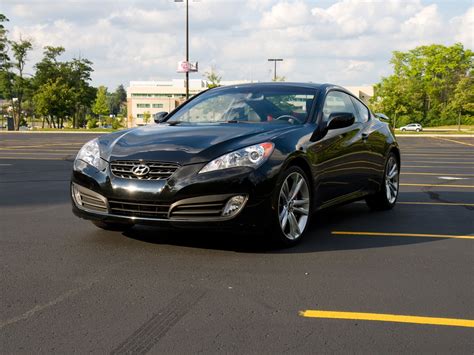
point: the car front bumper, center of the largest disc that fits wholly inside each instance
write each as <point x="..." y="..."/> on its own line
<point x="186" y="199"/>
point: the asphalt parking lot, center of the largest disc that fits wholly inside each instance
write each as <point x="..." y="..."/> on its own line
<point x="67" y="286"/>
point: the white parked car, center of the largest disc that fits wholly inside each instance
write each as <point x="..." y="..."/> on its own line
<point x="412" y="127"/>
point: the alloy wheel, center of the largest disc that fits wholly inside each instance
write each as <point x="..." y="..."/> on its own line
<point x="293" y="205"/>
<point x="391" y="180"/>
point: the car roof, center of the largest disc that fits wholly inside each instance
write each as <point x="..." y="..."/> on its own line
<point x="322" y="87"/>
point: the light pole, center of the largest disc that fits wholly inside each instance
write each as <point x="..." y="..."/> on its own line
<point x="275" y="60"/>
<point x="187" y="44"/>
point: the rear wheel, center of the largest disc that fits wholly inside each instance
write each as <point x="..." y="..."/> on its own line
<point x="387" y="196"/>
<point x="119" y="227"/>
<point x="418" y="130"/>
<point x="293" y="207"/>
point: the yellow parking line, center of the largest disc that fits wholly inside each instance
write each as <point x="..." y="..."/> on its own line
<point x="435" y="154"/>
<point x="437" y="174"/>
<point x="454" y="141"/>
<point x="55" y="152"/>
<point x="39" y="145"/>
<point x="404" y="165"/>
<point x="29" y="158"/>
<point x="439" y="162"/>
<point x="437" y="157"/>
<point x="414" y="235"/>
<point x="435" y="203"/>
<point x="441" y="185"/>
<point x="395" y="318"/>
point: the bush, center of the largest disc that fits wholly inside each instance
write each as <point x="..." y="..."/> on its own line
<point x="92" y="123"/>
<point x="116" y="124"/>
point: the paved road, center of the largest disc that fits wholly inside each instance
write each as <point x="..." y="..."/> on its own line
<point x="67" y="286"/>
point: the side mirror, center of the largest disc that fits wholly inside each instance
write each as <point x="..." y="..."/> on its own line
<point x="340" y="120"/>
<point x="382" y="116"/>
<point x="160" y="117"/>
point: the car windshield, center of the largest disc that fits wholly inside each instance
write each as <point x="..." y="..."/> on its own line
<point x="290" y="105"/>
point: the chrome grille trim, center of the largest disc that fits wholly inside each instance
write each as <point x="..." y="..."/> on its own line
<point x="87" y="199"/>
<point x="199" y="208"/>
<point x="138" y="209"/>
<point x="158" y="170"/>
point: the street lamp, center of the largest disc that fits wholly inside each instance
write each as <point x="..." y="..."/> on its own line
<point x="275" y="60"/>
<point x="187" y="45"/>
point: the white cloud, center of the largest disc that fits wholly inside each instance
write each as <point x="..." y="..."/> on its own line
<point x="286" y="14"/>
<point x="345" y="42"/>
<point x="427" y="23"/>
<point x="465" y="27"/>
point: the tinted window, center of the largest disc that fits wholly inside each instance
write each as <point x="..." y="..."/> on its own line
<point x="271" y="104"/>
<point x="363" y="111"/>
<point x="337" y="101"/>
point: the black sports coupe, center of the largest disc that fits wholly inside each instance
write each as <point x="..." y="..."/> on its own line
<point x="264" y="155"/>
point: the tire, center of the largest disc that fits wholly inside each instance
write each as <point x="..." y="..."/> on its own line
<point x="291" y="212"/>
<point x="387" y="196"/>
<point x="118" y="227"/>
<point x="403" y="129"/>
<point x="418" y="130"/>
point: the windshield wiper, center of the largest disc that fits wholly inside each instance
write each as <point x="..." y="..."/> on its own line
<point x="237" y="121"/>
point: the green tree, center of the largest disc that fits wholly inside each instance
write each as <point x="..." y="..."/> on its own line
<point x="54" y="100"/>
<point x="213" y="78"/>
<point x="121" y="93"/>
<point x="423" y="84"/>
<point x="101" y="107"/>
<point x="6" y="80"/>
<point x="117" y="101"/>
<point x="4" y="58"/>
<point x="74" y="74"/>
<point x="20" y="85"/>
<point x="279" y="78"/>
<point x="462" y="102"/>
<point x="146" y="117"/>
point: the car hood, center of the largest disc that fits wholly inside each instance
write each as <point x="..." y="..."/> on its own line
<point x="185" y="144"/>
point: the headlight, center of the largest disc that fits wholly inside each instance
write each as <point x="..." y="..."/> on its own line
<point x="252" y="157"/>
<point x="90" y="153"/>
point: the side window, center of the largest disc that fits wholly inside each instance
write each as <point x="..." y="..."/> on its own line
<point x="337" y="101"/>
<point x="363" y="111"/>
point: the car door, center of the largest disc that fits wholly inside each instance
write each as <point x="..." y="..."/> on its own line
<point x="339" y="155"/>
<point x="372" y="147"/>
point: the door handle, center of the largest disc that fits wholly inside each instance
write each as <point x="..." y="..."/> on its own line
<point x="365" y="136"/>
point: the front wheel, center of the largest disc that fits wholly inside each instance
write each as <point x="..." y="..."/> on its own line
<point x="118" y="227"/>
<point x="387" y="196"/>
<point x="292" y="207"/>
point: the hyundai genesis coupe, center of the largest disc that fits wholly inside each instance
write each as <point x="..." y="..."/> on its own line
<point x="264" y="156"/>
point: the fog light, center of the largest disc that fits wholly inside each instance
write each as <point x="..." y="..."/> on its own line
<point x="76" y="195"/>
<point x="234" y="205"/>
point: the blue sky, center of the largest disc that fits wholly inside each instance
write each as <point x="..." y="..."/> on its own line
<point x="347" y="42"/>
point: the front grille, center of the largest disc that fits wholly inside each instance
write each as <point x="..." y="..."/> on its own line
<point x="138" y="209"/>
<point x="158" y="170"/>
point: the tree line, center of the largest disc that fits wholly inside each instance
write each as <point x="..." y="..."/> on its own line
<point x="432" y="85"/>
<point x="58" y="92"/>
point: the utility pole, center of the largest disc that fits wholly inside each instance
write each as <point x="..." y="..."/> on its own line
<point x="187" y="45"/>
<point x="275" y="60"/>
<point x="187" y="48"/>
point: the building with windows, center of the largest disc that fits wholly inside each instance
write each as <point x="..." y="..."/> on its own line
<point x="364" y="93"/>
<point x="149" y="97"/>
<point x="145" y="98"/>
